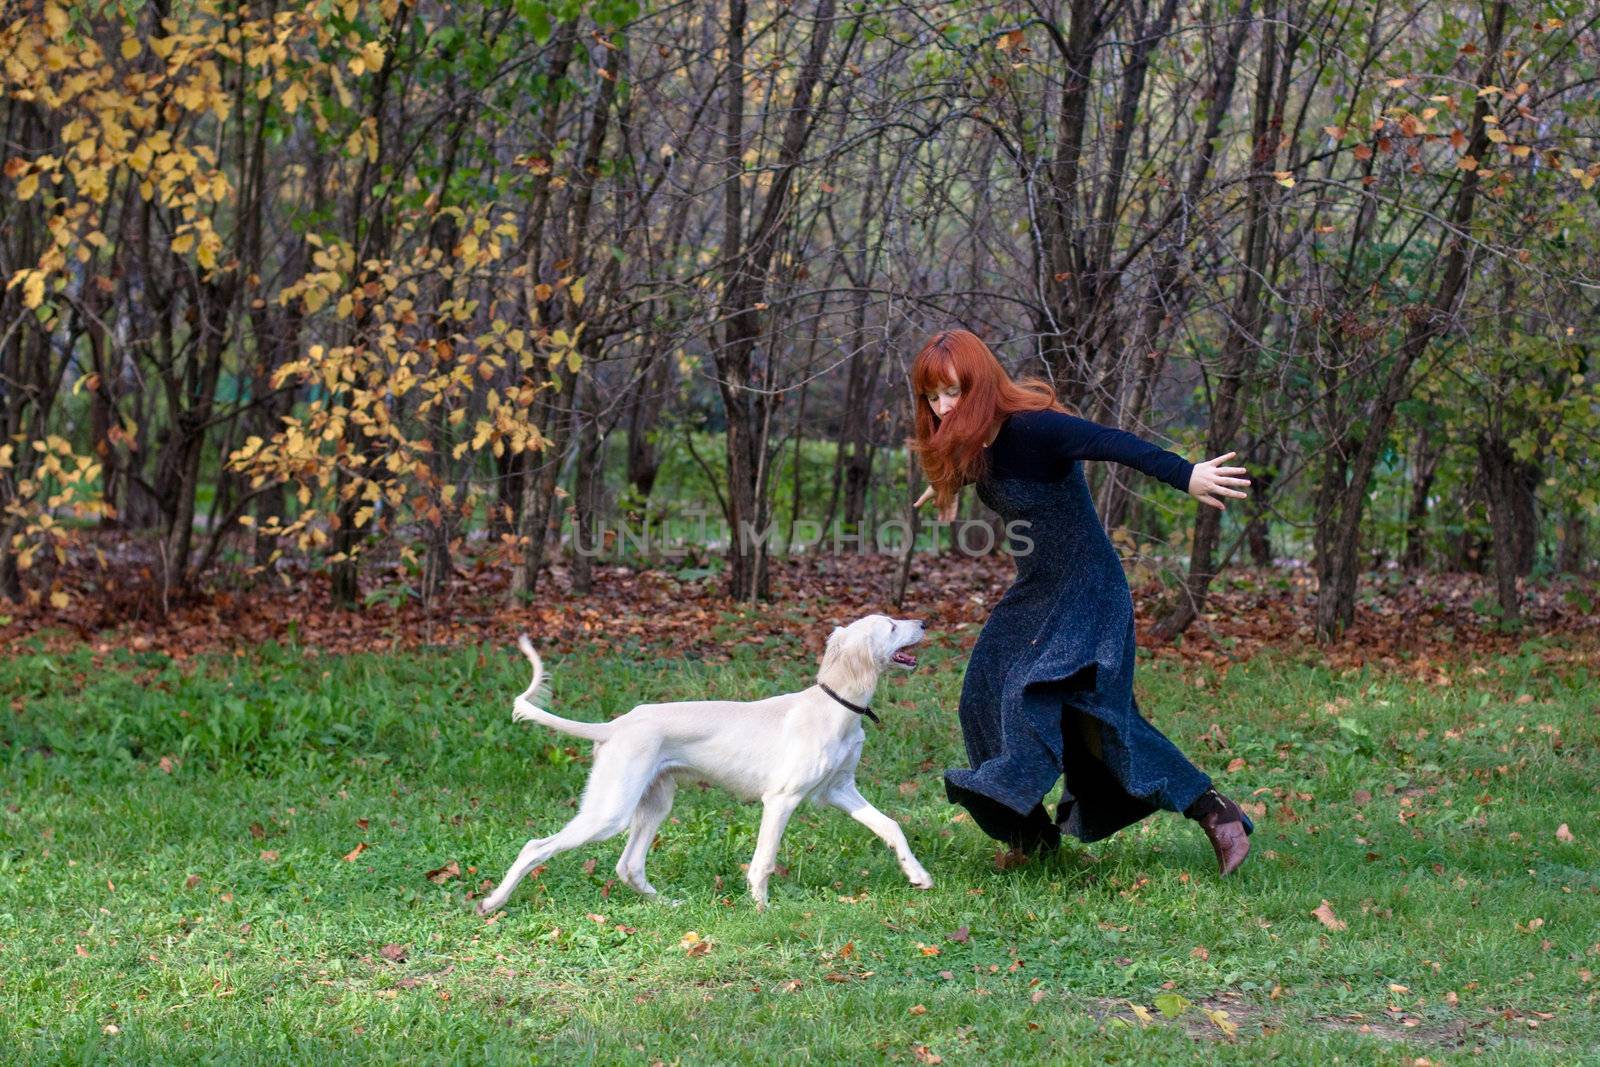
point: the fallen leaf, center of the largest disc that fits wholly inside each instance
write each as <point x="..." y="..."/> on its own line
<point x="395" y="953"/>
<point x="1200" y="953"/>
<point x="1009" y="859"/>
<point x="257" y="831"/>
<point x="588" y="866"/>
<point x="441" y="875"/>
<point x="1360" y="797"/>
<point x="80" y="950"/>
<point x="925" y="1055"/>
<point x="1324" y="915"/>
<point x="918" y="1009"/>
<point x="1237" y="764"/>
<point x="268" y="855"/>
<point x="1141" y="1013"/>
<point x="1172" y="1005"/>
<point x="1223" y="1023"/>
<point x="165" y="764"/>
<point x="848" y="950"/>
<point x="191" y="881"/>
<point x="1563" y="834"/>
<point x="928" y="950"/>
<point x="961" y="936"/>
<point x="350" y="857"/>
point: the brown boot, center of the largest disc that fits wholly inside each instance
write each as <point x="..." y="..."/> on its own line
<point x="1227" y="827"/>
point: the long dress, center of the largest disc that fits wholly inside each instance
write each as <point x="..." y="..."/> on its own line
<point x="1048" y="689"/>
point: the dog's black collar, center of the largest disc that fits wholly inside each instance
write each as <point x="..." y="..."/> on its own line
<point x="857" y="708"/>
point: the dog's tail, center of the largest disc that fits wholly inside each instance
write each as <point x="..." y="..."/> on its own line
<point x="526" y="708"/>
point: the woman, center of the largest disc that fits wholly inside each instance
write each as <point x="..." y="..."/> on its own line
<point x="1049" y="688"/>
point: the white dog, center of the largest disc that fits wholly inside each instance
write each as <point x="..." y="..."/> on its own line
<point x="780" y="750"/>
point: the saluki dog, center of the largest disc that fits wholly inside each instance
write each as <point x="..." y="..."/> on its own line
<point x="780" y="751"/>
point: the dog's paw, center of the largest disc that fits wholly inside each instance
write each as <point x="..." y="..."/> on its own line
<point x="483" y="908"/>
<point x="921" y="881"/>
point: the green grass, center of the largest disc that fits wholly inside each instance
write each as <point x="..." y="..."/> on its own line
<point x="139" y="899"/>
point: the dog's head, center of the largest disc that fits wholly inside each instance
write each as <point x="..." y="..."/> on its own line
<point x="870" y="644"/>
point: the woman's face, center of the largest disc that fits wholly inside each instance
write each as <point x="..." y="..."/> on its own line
<point x="944" y="401"/>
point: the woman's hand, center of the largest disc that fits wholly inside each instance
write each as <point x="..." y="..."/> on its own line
<point x="945" y="514"/>
<point x="1211" y="482"/>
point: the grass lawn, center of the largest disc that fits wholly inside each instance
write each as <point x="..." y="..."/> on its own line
<point x="183" y="877"/>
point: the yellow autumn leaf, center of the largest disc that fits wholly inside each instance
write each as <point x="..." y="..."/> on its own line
<point x="183" y="242"/>
<point x="1284" y="178"/>
<point x="130" y="48"/>
<point x="576" y="291"/>
<point x="372" y="55"/>
<point x="1222" y="1022"/>
<point x="1467" y="163"/>
<point x="33" y="289"/>
<point x="28" y="186"/>
<point x="59" y="600"/>
<point x="56" y="19"/>
<point x="293" y="97"/>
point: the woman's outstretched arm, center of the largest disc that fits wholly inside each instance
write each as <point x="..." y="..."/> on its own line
<point x="1062" y="438"/>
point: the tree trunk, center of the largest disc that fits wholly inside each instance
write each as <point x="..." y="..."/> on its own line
<point x="1430" y="449"/>
<point x="644" y="414"/>
<point x="1257" y="534"/>
<point x="1245" y="322"/>
<point x="1509" y="485"/>
<point x="1337" y="568"/>
<point x="1572" y="557"/>
<point x="588" y="540"/>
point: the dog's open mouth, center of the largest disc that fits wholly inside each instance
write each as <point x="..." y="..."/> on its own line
<point x="901" y="656"/>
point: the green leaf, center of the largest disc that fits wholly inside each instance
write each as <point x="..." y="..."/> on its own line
<point x="1172" y="1005"/>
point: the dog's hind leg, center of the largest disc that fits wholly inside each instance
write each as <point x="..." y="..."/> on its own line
<point x="848" y="799"/>
<point x="615" y="787"/>
<point x="647" y="817"/>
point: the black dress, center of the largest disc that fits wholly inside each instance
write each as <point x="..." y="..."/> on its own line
<point x="1049" y="687"/>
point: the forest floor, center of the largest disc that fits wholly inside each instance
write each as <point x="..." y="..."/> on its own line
<point x="252" y="828"/>
<point x="113" y="599"/>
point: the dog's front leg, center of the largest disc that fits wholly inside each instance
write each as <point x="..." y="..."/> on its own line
<point x="775" y="812"/>
<point x="847" y="798"/>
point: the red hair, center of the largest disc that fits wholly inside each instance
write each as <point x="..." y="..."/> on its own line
<point x="951" y="449"/>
